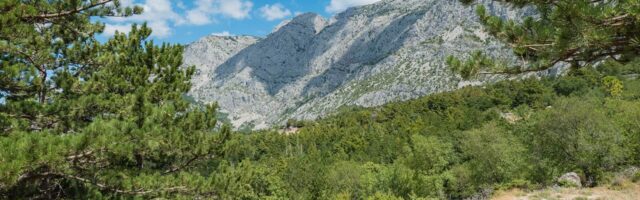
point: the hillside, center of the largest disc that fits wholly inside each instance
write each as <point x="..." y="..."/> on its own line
<point x="390" y="51"/>
<point x="472" y="143"/>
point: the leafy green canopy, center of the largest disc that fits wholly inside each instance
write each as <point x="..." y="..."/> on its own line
<point x="84" y="119"/>
<point x="454" y="145"/>
<point x="578" y="32"/>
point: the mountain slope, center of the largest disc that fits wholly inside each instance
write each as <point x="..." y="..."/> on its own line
<point x="366" y="56"/>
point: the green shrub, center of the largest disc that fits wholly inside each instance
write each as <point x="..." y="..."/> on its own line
<point x="636" y="177"/>
<point x="494" y="155"/>
<point x="613" y="86"/>
<point x="578" y="134"/>
<point x="571" y="85"/>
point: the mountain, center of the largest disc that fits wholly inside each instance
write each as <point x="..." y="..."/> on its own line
<point x="309" y="67"/>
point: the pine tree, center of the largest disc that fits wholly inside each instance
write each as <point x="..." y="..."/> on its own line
<point x="85" y="119"/>
<point x="577" y="32"/>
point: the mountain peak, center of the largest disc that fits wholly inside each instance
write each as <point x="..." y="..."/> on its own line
<point x="393" y="50"/>
<point x="311" y="21"/>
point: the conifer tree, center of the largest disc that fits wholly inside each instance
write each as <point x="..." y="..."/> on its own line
<point x="577" y="32"/>
<point x="85" y="119"/>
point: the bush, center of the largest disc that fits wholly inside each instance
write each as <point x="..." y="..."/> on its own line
<point x="613" y="86"/>
<point x="383" y="196"/>
<point x="571" y="85"/>
<point x="636" y="177"/>
<point x="577" y="134"/>
<point x="531" y="92"/>
<point x="494" y="155"/>
<point x="429" y="155"/>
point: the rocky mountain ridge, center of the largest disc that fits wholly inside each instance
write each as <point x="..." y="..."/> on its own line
<point x="393" y="50"/>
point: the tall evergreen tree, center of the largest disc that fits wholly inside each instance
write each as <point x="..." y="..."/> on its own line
<point x="578" y="32"/>
<point x="85" y="119"/>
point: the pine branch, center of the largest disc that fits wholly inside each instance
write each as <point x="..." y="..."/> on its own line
<point x="65" y="13"/>
<point x="84" y="154"/>
<point x="30" y="177"/>
<point x="185" y="165"/>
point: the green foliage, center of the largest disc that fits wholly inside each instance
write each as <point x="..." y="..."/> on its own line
<point x="110" y="121"/>
<point x="248" y="181"/>
<point x="613" y="86"/>
<point x="383" y="196"/>
<point x="429" y="155"/>
<point x="626" y="115"/>
<point x="571" y="85"/>
<point x="494" y="155"/>
<point x="581" y="33"/>
<point x="529" y="92"/>
<point x="90" y="120"/>
<point x="578" y="134"/>
<point x="455" y="144"/>
<point x="636" y="177"/>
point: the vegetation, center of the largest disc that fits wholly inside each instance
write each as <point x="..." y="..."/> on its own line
<point x="87" y="120"/>
<point x="84" y="119"/>
<point x="581" y="33"/>
<point x="453" y="145"/>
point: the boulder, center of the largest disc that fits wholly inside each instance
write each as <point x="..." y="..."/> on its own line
<point x="570" y="180"/>
<point x="510" y="117"/>
<point x="631" y="171"/>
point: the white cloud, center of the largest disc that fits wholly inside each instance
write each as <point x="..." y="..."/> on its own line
<point x="161" y="16"/>
<point x="341" y="5"/>
<point x="197" y="17"/>
<point x="181" y="5"/>
<point x="154" y="10"/>
<point x="274" y="12"/>
<point x="223" y="33"/>
<point x="237" y="9"/>
<point x="160" y="29"/>
<point x="205" y="11"/>
<point x="110" y="29"/>
<point x="158" y="14"/>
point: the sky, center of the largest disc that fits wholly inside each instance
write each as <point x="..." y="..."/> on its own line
<point x="184" y="21"/>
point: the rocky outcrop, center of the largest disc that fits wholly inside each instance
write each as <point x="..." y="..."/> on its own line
<point x="393" y="50"/>
<point x="209" y="52"/>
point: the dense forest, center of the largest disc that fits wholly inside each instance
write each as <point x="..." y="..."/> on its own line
<point x="84" y="119"/>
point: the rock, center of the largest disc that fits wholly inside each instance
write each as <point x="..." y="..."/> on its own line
<point x="631" y="76"/>
<point x="393" y="50"/>
<point x="289" y="130"/>
<point x="212" y="51"/>
<point x="631" y="173"/>
<point x="510" y="117"/>
<point x="570" y="180"/>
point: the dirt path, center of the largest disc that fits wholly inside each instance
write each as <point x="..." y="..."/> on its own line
<point x="599" y="193"/>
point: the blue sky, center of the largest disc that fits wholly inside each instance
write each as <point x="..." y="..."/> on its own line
<point x="184" y="21"/>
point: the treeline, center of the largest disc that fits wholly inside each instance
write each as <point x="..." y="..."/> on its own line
<point x="454" y="145"/>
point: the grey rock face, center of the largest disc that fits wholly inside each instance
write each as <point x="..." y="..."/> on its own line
<point x="393" y="50"/>
<point x="209" y="52"/>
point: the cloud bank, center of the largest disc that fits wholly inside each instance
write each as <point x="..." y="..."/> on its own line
<point x="274" y="12"/>
<point x="162" y="15"/>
